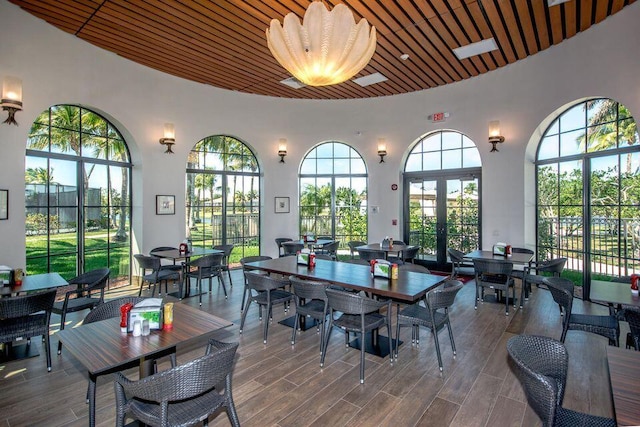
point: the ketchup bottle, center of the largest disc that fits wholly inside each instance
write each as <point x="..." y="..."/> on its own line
<point x="124" y="316"/>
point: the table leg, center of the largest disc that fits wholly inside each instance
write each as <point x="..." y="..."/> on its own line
<point x="91" y="395"/>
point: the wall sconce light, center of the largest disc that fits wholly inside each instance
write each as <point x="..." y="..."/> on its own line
<point x="382" y="149"/>
<point x="494" y="134"/>
<point x="11" y="98"/>
<point x="169" y="137"/>
<point x="282" y="149"/>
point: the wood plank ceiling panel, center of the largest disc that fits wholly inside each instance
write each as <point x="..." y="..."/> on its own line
<point x="222" y="43"/>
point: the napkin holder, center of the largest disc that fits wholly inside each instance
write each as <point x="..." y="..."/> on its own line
<point x="382" y="268"/>
<point x="303" y="257"/>
<point x="500" y="249"/>
<point x="149" y="309"/>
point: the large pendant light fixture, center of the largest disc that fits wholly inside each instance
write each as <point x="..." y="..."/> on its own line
<point x="328" y="48"/>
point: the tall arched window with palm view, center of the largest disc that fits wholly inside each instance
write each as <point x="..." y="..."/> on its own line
<point x="441" y="196"/>
<point x="77" y="194"/>
<point x="588" y="191"/>
<point x="223" y="196"/>
<point x="333" y="193"/>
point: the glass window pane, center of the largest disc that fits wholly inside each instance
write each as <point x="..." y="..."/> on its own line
<point x="451" y="159"/>
<point x="308" y="166"/>
<point x="627" y="133"/>
<point x="570" y="184"/>
<point x="432" y="142"/>
<point x="554" y="128"/>
<point x="601" y="111"/>
<point x="451" y="140"/>
<point x="94" y="146"/>
<point x="117" y="151"/>
<point x="431" y="161"/>
<point x="38" y="137"/>
<point x="93" y="124"/>
<point x="65" y="141"/>
<point x="358" y="166"/>
<point x="572" y="119"/>
<point x="414" y="162"/>
<point x="66" y="117"/>
<point x="548" y="148"/>
<point x="471" y="157"/>
<point x="572" y="143"/>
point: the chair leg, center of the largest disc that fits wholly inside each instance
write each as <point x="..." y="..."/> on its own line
<point x="63" y="318"/>
<point x="295" y="329"/>
<point x="244" y="313"/>
<point x="362" y="346"/>
<point x="390" y="338"/>
<point x="231" y="407"/>
<point x="397" y="340"/>
<point x="199" y="285"/>
<point x="523" y="292"/>
<point x="327" y="336"/>
<point x="453" y="344"/>
<point x="47" y="345"/>
<point x="224" y="288"/>
<point x="244" y="297"/>
<point x="437" y="342"/>
<point x="265" y="325"/>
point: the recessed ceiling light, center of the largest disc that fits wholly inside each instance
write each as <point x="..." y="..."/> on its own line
<point x="404" y="56"/>
<point x="476" y="48"/>
<point x="555" y="2"/>
<point x="293" y="82"/>
<point x="370" y="79"/>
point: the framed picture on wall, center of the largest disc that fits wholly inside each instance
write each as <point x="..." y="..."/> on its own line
<point x="282" y="204"/>
<point x="165" y="205"/>
<point x="4" y="204"/>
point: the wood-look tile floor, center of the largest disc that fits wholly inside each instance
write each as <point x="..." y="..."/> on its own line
<point x="278" y="384"/>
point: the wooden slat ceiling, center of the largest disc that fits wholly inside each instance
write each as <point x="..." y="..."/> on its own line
<point x="222" y="43"/>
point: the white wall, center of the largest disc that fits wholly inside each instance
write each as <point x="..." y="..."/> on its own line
<point x="58" y="68"/>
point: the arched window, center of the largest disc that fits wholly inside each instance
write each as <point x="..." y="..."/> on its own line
<point x="333" y="193"/>
<point x="588" y="191"/>
<point x="77" y="194"/>
<point x="442" y="196"/>
<point x="223" y="195"/>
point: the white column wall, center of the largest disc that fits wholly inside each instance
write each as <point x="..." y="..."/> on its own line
<point x="57" y="68"/>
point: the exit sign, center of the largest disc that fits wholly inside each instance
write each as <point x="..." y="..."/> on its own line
<point x="438" y="117"/>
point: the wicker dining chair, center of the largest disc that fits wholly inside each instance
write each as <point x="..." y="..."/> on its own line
<point x="552" y="267"/>
<point x="185" y="395"/>
<point x="206" y="267"/>
<point x="353" y="245"/>
<point x="89" y="292"/>
<point x="369" y="254"/>
<point x="279" y="242"/>
<point x="496" y="275"/>
<point x="246" y="269"/>
<point x="605" y="325"/>
<point x="541" y="365"/>
<point x="27" y="316"/>
<point x="358" y="314"/>
<point x="330" y="249"/>
<point x="227" y="249"/>
<point x="266" y="291"/>
<point x="104" y="311"/>
<point x="459" y="265"/>
<point x="157" y="275"/>
<point x="433" y="315"/>
<point x="632" y="315"/>
<point x="311" y="301"/>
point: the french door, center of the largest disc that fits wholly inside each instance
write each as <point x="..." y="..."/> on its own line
<point x="442" y="210"/>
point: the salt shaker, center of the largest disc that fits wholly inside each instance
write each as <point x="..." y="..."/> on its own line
<point x="137" y="328"/>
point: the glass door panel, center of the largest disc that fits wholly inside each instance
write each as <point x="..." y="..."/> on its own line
<point x="422" y="218"/>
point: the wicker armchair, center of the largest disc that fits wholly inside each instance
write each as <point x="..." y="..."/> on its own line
<point x="330" y="249"/>
<point x="227" y="249"/>
<point x="181" y="396"/>
<point x="541" y="363"/>
<point x="245" y="270"/>
<point x="88" y="294"/>
<point x="265" y="291"/>
<point x="173" y="267"/>
<point x="311" y="301"/>
<point x="110" y="310"/>
<point x="369" y="254"/>
<point x="632" y="315"/>
<point x="414" y="267"/>
<point x="552" y="267"/>
<point x="434" y="315"/>
<point x="562" y="292"/>
<point x="496" y="275"/>
<point x="279" y="242"/>
<point x="459" y="265"/>
<point x="291" y="248"/>
<point x="353" y="245"/>
<point x="27" y="316"/>
<point x="206" y="267"/>
<point x="359" y="314"/>
<point x="157" y="276"/>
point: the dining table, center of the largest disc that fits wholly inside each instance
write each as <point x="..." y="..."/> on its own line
<point x="614" y="294"/>
<point x="624" y="375"/>
<point x="315" y="244"/>
<point x="395" y="248"/>
<point x="102" y="348"/>
<point x="177" y="255"/>
<point x="409" y="287"/>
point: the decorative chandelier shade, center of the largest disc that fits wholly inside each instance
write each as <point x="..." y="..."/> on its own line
<point x="328" y="48"/>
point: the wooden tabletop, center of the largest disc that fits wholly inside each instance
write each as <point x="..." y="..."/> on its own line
<point x="516" y="258"/>
<point x="613" y="293"/>
<point x="36" y="282"/>
<point x="624" y="374"/>
<point x="175" y="254"/>
<point x="410" y="285"/>
<point x="100" y="346"/>
<point x="396" y="247"/>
